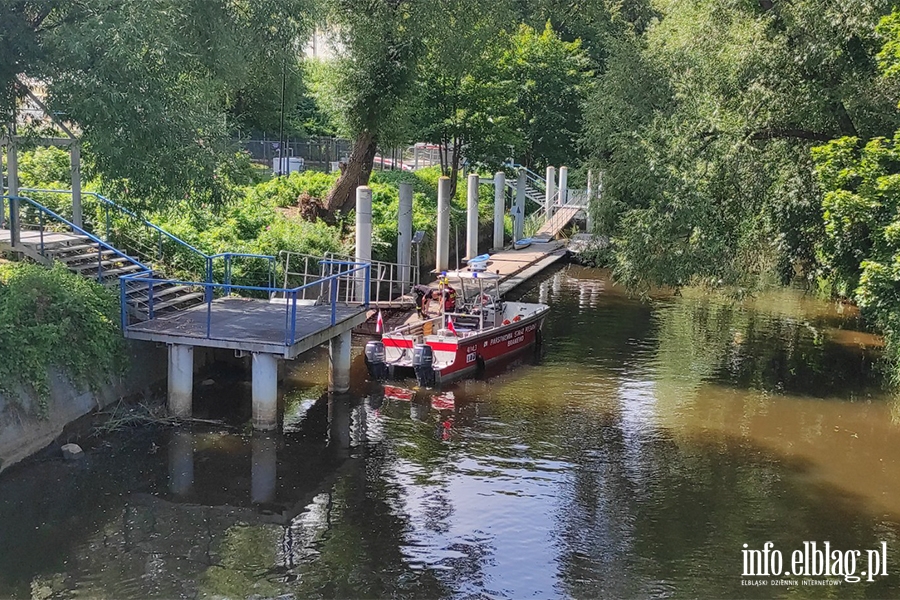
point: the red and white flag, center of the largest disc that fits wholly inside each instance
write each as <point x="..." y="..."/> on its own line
<point x="379" y="324"/>
<point x="450" y="326"/>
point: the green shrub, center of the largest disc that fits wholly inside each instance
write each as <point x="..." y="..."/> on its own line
<point x="287" y="191"/>
<point x="52" y="318"/>
<point x="45" y="167"/>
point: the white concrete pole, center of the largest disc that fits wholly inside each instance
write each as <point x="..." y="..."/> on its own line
<point x="472" y="216"/>
<point x="181" y="380"/>
<point x="550" y="191"/>
<point x="263" y="468"/>
<point x="181" y="462"/>
<point x="339" y="357"/>
<point x="519" y="225"/>
<point x="264" y="388"/>
<point x="415" y="156"/>
<point x="363" y="236"/>
<point x="404" y="234"/>
<point x="75" y="156"/>
<point x="442" y="252"/>
<point x="563" y="186"/>
<point x="12" y="165"/>
<point x="588" y="209"/>
<point x="499" y="208"/>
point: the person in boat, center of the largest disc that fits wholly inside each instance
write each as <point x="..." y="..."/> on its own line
<point x="446" y="299"/>
<point x="423" y="293"/>
<point x="449" y="299"/>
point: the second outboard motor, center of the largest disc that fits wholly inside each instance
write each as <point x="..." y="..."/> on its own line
<point x="375" y="360"/>
<point x="423" y="364"/>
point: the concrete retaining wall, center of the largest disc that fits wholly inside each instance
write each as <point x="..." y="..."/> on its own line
<point x="23" y="432"/>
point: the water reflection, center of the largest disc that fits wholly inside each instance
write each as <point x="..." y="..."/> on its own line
<point x="632" y="458"/>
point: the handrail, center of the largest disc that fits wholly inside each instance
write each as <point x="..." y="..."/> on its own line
<point x="290" y="307"/>
<point x="531" y="175"/>
<point x="387" y="274"/>
<point x="207" y="259"/>
<point x="101" y="244"/>
<point x="127" y="211"/>
<point x="228" y="256"/>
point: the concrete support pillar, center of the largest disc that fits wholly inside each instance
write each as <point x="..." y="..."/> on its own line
<point x="339" y="425"/>
<point x="442" y="252"/>
<point x="404" y="234"/>
<point x="75" y="156"/>
<point x="550" y="192"/>
<point x="363" y="236"/>
<point x="264" y="468"/>
<point x="519" y="212"/>
<point x="12" y="165"/>
<point x="563" y="185"/>
<point x="339" y="357"/>
<point x="472" y="216"/>
<point x="265" y="391"/>
<point x="181" y="380"/>
<point x="499" y="208"/>
<point x="181" y="462"/>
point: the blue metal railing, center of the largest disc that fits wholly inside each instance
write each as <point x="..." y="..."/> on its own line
<point x="111" y="209"/>
<point x="229" y="257"/>
<point x="346" y="272"/>
<point x="108" y="232"/>
<point x="44" y="213"/>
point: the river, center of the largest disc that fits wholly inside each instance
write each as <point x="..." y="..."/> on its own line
<point x="632" y="458"/>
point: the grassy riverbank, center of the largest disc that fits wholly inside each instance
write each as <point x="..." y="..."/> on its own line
<point x="264" y="215"/>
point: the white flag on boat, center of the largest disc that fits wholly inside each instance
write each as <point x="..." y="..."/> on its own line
<point x="379" y="324"/>
<point x="450" y="326"/>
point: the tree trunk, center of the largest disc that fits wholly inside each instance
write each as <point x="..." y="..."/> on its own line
<point x="454" y="166"/>
<point x="356" y="172"/>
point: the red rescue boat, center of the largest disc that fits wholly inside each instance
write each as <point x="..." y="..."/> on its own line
<point x="477" y="329"/>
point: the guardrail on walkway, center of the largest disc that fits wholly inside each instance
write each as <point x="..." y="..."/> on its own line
<point x="133" y="234"/>
<point x="332" y="293"/>
<point x="49" y="222"/>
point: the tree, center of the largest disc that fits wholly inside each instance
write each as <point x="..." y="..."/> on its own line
<point x="367" y="88"/>
<point x="860" y="251"/>
<point x="702" y="126"/>
<point x="463" y="102"/>
<point x="148" y="82"/>
<point x="550" y="79"/>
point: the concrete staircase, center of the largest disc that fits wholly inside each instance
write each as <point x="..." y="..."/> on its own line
<point x="88" y="258"/>
<point x="56" y="239"/>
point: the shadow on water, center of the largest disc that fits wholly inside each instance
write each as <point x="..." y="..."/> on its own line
<point x="633" y="457"/>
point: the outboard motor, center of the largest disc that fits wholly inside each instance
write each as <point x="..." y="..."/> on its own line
<point x="375" y="360"/>
<point x="423" y="364"/>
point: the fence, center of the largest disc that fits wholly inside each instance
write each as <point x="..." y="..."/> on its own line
<point x="315" y="152"/>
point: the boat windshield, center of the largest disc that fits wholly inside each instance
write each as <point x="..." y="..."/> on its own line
<point x="473" y="291"/>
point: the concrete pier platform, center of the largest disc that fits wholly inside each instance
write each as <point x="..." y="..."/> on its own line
<point x="250" y="325"/>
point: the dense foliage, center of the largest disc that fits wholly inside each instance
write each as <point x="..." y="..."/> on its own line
<point x="150" y="84"/>
<point x="702" y="125"/>
<point x="50" y="318"/>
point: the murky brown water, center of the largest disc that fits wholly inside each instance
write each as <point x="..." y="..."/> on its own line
<point x="633" y="459"/>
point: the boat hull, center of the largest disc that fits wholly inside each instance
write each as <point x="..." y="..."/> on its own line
<point x="457" y="357"/>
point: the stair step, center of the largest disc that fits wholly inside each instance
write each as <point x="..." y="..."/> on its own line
<point x="129" y="269"/>
<point x="79" y="247"/>
<point x="158" y="291"/>
<point x="176" y="301"/>
<point x="93" y="265"/>
<point x="87" y="256"/>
